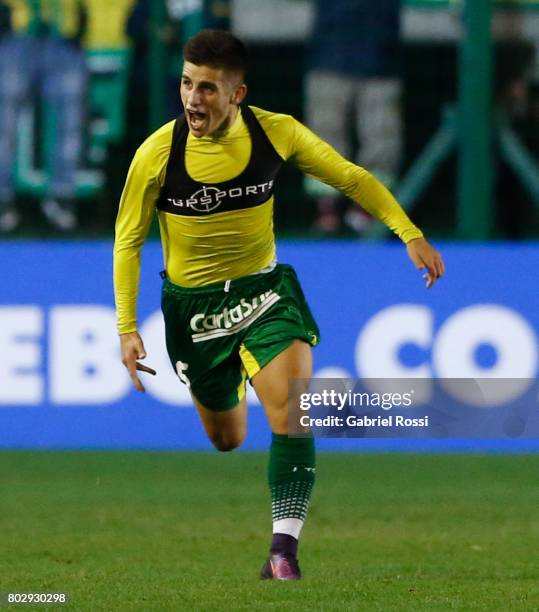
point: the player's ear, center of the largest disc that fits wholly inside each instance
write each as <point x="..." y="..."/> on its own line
<point x="239" y="94"/>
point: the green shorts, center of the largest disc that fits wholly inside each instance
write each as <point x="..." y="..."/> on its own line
<point x="217" y="338"/>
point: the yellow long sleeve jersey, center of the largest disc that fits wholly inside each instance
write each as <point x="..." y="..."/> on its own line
<point x="215" y="228"/>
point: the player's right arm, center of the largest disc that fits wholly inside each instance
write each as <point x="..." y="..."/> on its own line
<point x="135" y="215"/>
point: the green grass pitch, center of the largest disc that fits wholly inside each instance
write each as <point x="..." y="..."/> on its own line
<point x="189" y="531"/>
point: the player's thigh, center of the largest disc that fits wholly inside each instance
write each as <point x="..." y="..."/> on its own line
<point x="226" y="429"/>
<point x="16" y="56"/>
<point x="219" y="397"/>
<point x="66" y="75"/>
<point x="271" y="383"/>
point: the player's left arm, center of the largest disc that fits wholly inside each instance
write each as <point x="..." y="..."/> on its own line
<point x="318" y="159"/>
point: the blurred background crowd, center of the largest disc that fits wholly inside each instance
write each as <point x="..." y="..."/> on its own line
<point x="83" y="82"/>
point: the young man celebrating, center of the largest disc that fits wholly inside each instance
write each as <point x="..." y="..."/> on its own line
<point x="231" y="312"/>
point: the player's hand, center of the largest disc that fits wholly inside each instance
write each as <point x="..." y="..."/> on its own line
<point x="133" y="349"/>
<point x="424" y="256"/>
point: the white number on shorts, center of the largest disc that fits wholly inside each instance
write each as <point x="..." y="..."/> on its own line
<point x="180" y="370"/>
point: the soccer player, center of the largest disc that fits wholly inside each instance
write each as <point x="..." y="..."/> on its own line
<point x="231" y="312"/>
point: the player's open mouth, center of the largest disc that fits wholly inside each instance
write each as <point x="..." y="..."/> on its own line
<point x="196" y="119"/>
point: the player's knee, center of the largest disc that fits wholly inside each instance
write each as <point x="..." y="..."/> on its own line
<point x="225" y="446"/>
<point x="225" y="443"/>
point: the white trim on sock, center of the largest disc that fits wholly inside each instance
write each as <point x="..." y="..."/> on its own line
<point x="290" y="526"/>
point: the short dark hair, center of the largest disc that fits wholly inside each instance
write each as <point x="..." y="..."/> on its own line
<point x="218" y="49"/>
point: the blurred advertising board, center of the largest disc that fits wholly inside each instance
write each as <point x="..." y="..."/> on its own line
<point x="62" y="384"/>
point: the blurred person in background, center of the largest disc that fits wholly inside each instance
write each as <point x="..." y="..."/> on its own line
<point x="515" y="92"/>
<point x="353" y="73"/>
<point x="40" y="51"/>
<point x="183" y="19"/>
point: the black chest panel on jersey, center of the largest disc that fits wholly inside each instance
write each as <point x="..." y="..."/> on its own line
<point x="181" y="195"/>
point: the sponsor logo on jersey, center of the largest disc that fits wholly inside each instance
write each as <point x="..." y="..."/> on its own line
<point x="231" y="320"/>
<point x="210" y="198"/>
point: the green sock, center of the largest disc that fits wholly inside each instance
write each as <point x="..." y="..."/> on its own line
<point x="291" y="474"/>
